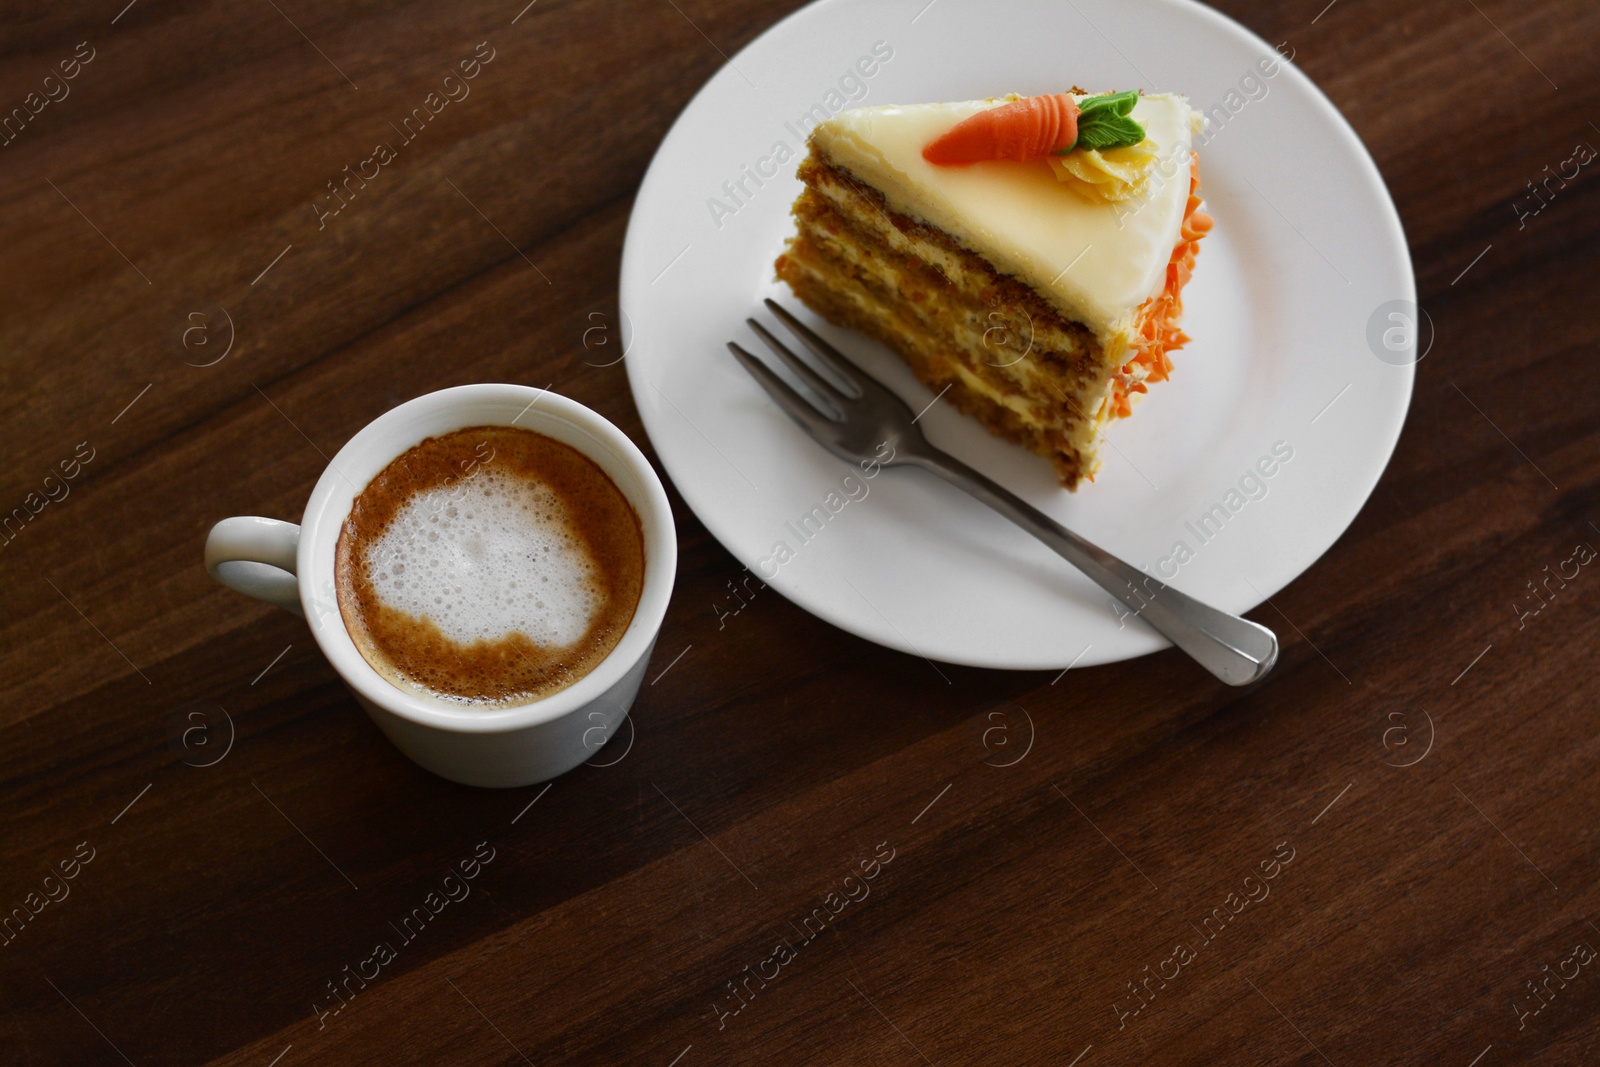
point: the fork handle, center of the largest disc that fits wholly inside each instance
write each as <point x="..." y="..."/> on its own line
<point x="1236" y="650"/>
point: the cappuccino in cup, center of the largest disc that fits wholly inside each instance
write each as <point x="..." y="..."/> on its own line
<point x="489" y="567"/>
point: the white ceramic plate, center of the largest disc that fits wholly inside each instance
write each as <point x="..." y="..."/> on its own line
<point x="1289" y="307"/>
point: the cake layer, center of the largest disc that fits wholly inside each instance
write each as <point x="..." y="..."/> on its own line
<point x="1096" y="263"/>
<point x="955" y="321"/>
<point x="965" y="350"/>
<point x="834" y="300"/>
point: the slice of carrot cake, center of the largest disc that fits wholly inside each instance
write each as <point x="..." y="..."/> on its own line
<point x="1025" y="255"/>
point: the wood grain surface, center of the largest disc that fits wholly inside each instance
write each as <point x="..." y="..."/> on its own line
<point x="1006" y="865"/>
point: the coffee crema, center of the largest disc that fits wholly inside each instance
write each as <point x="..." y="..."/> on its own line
<point x="490" y="567"/>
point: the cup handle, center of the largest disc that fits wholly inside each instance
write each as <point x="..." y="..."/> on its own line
<point x="256" y="557"/>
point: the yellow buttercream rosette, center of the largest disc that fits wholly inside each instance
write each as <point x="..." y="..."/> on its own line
<point x="1107" y="175"/>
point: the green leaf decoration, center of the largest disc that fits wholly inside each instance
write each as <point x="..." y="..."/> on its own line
<point x="1114" y="131"/>
<point x="1104" y="122"/>
<point x="1114" y="103"/>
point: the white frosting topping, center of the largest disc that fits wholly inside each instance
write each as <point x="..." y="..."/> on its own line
<point x="1097" y="262"/>
<point x="486" y="557"/>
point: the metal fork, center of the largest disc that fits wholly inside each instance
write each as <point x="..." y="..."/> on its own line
<point x="854" y="424"/>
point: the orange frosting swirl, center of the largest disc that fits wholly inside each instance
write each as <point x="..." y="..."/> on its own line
<point x="1158" y="333"/>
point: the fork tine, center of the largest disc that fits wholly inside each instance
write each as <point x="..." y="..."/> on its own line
<point x="798" y="408"/>
<point x="830" y="355"/>
<point x="822" y="385"/>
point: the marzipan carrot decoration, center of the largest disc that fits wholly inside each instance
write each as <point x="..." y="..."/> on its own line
<point x="1023" y="129"/>
<point x="1038" y="126"/>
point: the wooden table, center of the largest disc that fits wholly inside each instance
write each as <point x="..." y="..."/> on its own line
<point x="1366" y="860"/>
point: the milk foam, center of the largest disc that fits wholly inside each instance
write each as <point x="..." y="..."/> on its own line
<point x="488" y="556"/>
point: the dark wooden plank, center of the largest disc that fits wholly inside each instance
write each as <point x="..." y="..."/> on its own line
<point x="778" y="755"/>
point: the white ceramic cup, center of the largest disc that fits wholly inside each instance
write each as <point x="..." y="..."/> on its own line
<point x="292" y="566"/>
